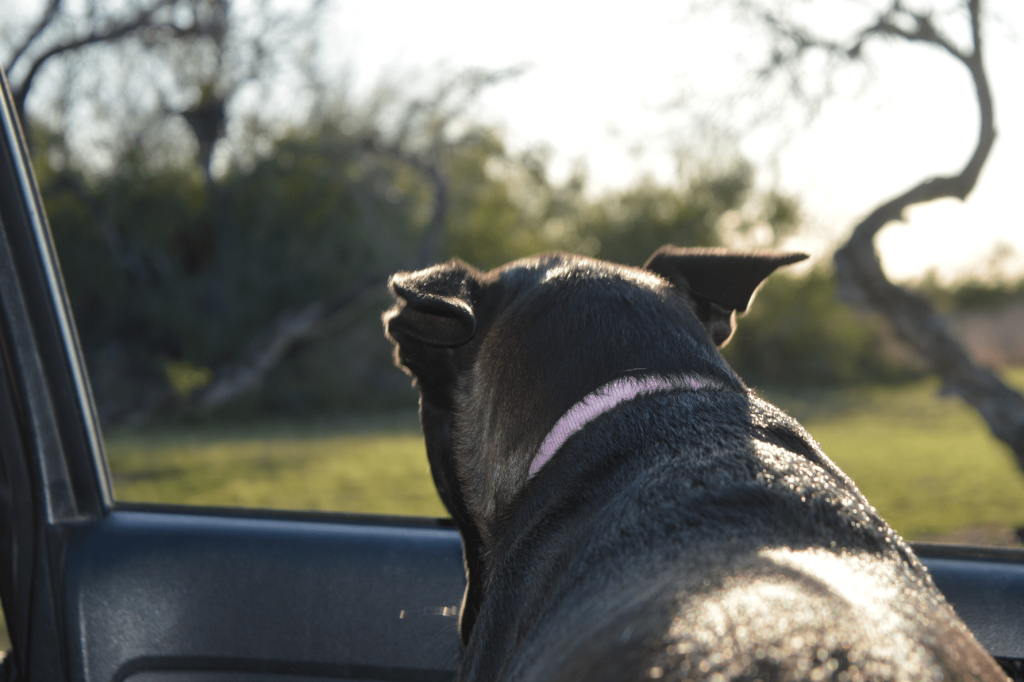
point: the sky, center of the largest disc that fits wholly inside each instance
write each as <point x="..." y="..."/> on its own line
<point x="601" y="78"/>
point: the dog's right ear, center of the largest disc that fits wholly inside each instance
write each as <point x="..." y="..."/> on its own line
<point x="435" y="306"/>
<point x="719" y="282"/>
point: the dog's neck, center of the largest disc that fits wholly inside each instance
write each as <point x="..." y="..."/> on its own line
<point x="604" y="399"/>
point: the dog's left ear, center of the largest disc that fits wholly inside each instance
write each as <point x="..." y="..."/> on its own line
<point x="435" y="306"/>
<point x="719" y="282"/>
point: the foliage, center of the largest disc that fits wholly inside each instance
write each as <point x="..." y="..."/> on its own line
<point x="161" y="268"/>
<point x="173" y="273"/>
<point x="972" y="293"/>
<point x="171" y="276"/>
<point x="498" y="200"/>
<point x="628" y="226"/>
<point x="797" y="332"/>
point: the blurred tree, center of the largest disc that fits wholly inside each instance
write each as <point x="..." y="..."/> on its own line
<point x="628" y="226"/>
<point x="261" y="253"/>
<point x="182" y="59"/>
<point x="501" y="200"/>
<point x="218" y="253"/>
<point x="400" y="164"/>
<point x="798" y="333"/>
<point x="799" y="54"/>
<point x="138" y="259"/>
<point x="60" y="30"/>
<point x="316" y="225"/>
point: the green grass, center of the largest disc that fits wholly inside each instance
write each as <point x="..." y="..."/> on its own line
<point x="928" y="464"/>
<point x="374" y="466"/>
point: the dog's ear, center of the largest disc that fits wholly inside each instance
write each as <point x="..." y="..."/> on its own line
<point x="435" y="306"/>
<point x="718" y="281"/>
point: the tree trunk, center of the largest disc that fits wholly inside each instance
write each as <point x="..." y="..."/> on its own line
<point x="862" y="281"/>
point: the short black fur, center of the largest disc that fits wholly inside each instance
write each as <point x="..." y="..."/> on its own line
<point x="684" y="534"/>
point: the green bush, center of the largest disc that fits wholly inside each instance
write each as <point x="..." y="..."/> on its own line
<point x="798" y="332"/>
<point x="172" y="274"/>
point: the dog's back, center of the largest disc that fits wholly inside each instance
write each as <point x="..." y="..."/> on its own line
<point x="810" y="583"/>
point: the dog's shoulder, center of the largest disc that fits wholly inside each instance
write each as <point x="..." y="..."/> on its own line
<point x="666" y="478"/>
<point x="716" y="507"/>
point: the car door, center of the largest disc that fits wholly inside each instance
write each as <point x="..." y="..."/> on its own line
<point x="98" y="591"/>
<point x="94" y="590"/>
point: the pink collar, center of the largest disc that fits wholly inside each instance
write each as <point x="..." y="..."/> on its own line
<point x="604" y="399"/>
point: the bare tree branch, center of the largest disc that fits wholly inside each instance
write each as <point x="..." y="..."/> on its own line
<point x="430" y="242"/>
<point x="288" y="331"/>
<point x="862" y="280"/>
<point x="111" y="32"/>
<point x="293" y="328"/>
<point x="44" y="21"/>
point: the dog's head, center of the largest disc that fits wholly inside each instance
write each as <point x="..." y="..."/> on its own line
<point x="498" y="357"/>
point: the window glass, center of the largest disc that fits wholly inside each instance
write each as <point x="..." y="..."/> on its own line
<point x="227" y="206"/>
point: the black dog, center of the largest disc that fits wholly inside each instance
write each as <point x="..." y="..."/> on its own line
<point x="629" y="510"/>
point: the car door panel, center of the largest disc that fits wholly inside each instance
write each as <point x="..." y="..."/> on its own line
<point x="986" y="587"/>
<point x="149" y="592"/>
